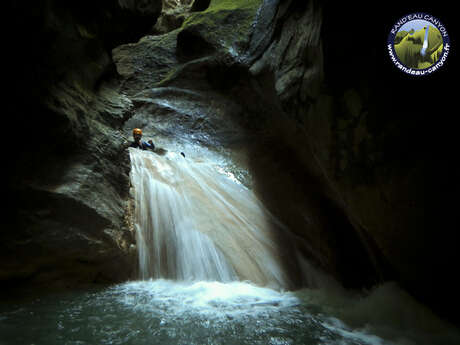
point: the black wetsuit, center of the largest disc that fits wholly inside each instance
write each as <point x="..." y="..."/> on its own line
<point x="142" y="145"/>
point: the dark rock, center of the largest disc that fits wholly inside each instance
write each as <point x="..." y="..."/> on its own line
<point x="168" y="22"/>
<point x="147" y="62"/>
<point x="380" y="161"/>
<point x="200" y="5"/>
<point x="172" y="16"/>
<point x="69" y="199"/>
<point x="192" y="45"/>
<point x="364" y="149"/>
<point x="75" y="40"/>
<point x="264" y="27"/>
<point x="67" y="222"/>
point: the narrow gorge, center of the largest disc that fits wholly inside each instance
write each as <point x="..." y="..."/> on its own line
<point x="301" y="190"/>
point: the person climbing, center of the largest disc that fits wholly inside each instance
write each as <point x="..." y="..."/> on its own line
<point x="140" y="144"/>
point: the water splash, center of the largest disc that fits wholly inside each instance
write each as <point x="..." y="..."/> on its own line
<point x="171" y="312"/>
<point x="194" y="222"/>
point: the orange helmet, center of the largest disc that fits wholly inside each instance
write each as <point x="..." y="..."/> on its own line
<point x="137" y="131"/>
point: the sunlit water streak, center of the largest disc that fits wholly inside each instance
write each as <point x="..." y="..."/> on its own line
<point x="195" y="222"/>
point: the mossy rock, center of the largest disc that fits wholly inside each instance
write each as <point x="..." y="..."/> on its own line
<point x="225" y="23"/>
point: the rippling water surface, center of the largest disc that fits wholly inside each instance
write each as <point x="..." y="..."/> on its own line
<point x="168" y="312"/>
<point x="195" y="225"/>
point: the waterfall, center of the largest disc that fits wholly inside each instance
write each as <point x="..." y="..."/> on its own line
<point x="202" y="231"/>
<point x="425" y="41"/>
<point x="194" y="223"/>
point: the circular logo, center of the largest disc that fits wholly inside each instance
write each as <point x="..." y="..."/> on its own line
<point x="418" y="44"/>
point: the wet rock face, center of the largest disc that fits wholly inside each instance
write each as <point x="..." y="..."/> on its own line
<point x="66" y="221"/>
<point x="229" y="79"/>
<point x="366" y="148"/>
<point x="68" y="195"/>
<point x="329" y="153"/>
<point x="177" y="81"/>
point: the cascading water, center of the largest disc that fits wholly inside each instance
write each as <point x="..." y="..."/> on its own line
<point x="199" y="234"/>
<point x="170" y="244"/>
<point x="195" y="223"/>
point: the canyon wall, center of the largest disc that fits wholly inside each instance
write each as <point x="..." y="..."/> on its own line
<point x="343" y="148"/>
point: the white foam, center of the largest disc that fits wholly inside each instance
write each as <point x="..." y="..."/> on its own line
<point x="386" y="316"/>
<point x="211" y="299"/>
